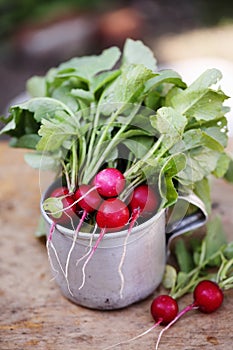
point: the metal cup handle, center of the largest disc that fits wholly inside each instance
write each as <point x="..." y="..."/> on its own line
<point x="176" y="227"/>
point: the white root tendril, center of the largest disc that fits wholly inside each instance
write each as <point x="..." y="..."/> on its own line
<point x="93" y="249"/>
<point x="89" y="247"/>
<point x="50" y="243"/>
<point x="134" y="338"/>
<point x="134" y="219"/>
<point x="74" y="203"/>
<point x="73" y="243"/>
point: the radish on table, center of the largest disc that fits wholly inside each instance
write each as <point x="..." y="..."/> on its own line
<point x="208" y="297"/>
<point x="164" y="309"/>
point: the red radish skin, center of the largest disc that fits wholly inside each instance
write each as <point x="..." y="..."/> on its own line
<point x="68" y="204"/>
<point x="144" y="199"/>
<point x="109" y="182"/>
<point x="60" y="192"/>
<point x="113" y="214"/>
<point x="164" y="309"/>
<point x="91" y="198"/>
<point x="208" y="297"/>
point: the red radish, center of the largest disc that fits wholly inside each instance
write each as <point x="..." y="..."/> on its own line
<point x="144" y="200"/>
<point x="112" y="214"/>
<point x="208" y="297"/>
<point x="68" y="206"/>
<point x="91" y="199"/>
<point x="60" y="192"/>
<point x="164" y="309"/>
<point x="109" y="182"/>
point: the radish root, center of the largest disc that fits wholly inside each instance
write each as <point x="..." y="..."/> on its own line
<point x="73" y="243"/>
<point x="181" y="313"/>
<point x="136" y="337"/>
<point x="49" y="243"/>
<point x="134" y="219"/>
<point x="89" y="247"/>
<point x="101" y="235"/>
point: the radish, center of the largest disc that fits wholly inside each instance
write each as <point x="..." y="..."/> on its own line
<point x="65" y="204"/>
<point x="143" y="202"/>
<point x="208" y="297"/>
<point x="60" y="192"/>
<point x="109" y="182"/>
<point x="164" y="309"/>
<point x="113" y="214"/>
<point x="88" y="198"/>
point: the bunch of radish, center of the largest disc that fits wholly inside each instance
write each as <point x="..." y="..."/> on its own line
<point x="102" y="200"/>
<point x="207" y="298"/>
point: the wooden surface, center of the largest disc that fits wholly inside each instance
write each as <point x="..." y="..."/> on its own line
<point x="33" y="313"/>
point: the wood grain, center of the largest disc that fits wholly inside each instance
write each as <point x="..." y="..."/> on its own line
<point x="33" y="313"/>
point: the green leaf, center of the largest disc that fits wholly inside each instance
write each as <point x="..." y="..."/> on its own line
<point x="202" y="190"/>
<point x="228" y="251"/>
<point x="29" y="141"/>
<point x="165" y="76"/>
<point x="229" y="174"/>
<point x="63" y="94"/>
<point x="201" y="161"/>
<point x="217" y="130"/>
<point x="139" y="145"/>
<point x="189" y="99"/>
<point x="183" y="256"/>
<point x="222" y="165"/>
<point x="197" y="138"/>
<point x="82" y="94"/>
<point x="36" y="86"/>
<point x="208" y="107"/>
<point x="169" y="277"/>
<point x="102" y="79"/>
<point x="86" y="67"/>
<point x="42" y="107"/>
<point x="42" y="161"/>
<point x="54" y="206"/>
<point x="127" y="88"/>
<point x="171" y="168"/>
<point x="58" y="130"/>
<point x="136" y="52"/>
<point x="170" y="124"/>
<point x="215" y="239"/>
<point x="182" y="279"/>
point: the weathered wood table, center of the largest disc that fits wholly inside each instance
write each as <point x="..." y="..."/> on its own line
<point x="34" y="315"/>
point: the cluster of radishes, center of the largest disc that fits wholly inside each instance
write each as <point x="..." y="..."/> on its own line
<point x="207" y="295"/>
<point x="101" y="199"/>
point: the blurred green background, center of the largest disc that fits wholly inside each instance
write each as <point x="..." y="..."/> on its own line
<point x="35" y="35"/>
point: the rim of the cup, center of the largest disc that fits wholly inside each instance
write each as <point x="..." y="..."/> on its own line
<point x="110" y="235"/>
